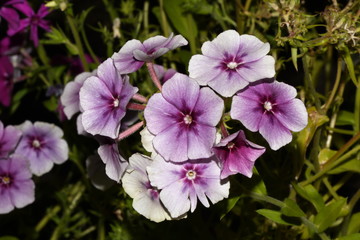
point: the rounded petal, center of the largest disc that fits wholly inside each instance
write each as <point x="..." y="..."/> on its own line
<point x="107" y="74"/>
<point x="247" y="111"/>
<point x="200" y="139"/>
<point x="209" y="108"/>
<point x="6" y="204"/>
<point x="257" y="70"/>
<point x="115" y="163"/>
<point x="292" y="115"/>
<point x="228" y="83"/>
<point x="252" y="48"/>
<point x="279" y="91"/>
<point x="203" y="69"/>
<point x="276" y="134"/>
<point x="228" y="42"/>
<point x="22" y="193"/>
<point x="9" y="137"/>
<point x="124" y="60"/>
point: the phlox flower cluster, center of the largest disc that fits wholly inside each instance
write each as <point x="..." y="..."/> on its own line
<point x="26" y="150"/>
<point x="181" y="123"/>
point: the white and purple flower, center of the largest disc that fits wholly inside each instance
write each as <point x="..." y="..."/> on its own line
<point x="231" y="61"/>
<point x="16" y="187"/>
<point x="272" y="109"/>
<point x="9" y="138"/>
<point x="104" y="99"/>
<point x="115" y="163"/>
<point x="182" y="184"/>
<point x="134" y="53"/>
<point x="146" y="197"/>
<point x="183" y="118"/>
<point x="42" y="145"/>
<point x="237" y="154"/>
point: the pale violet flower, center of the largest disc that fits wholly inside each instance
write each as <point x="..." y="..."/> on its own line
<point x="183" y="118"/>
<point x="231" y="61"/>
<point x="96" y="172"/>
<point x="9" y="137"/>
<point x="103" y="99"/>
<point x="42" y="145"/>
<point x="237" y="154"/>
<point x="16" y="187"/>
<point x="134" y="53"/>
<point x="115" y="163"/>
<point x="182" y="185"/>
<point x="272" y="109"/>
<point x="137" y="185"/>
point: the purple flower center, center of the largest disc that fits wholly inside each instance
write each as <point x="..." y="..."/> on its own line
<point x="5" y="180"/>
<point x="35" y="20"/>
<point x="230" y="145"/>
<point x="191" y="174"/>
<point x="268" y="106"/>
<point x="154" y="192"/>
<point x="187" y="119"/>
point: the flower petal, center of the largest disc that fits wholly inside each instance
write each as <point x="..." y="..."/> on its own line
<point x="252" y="48"/>
<point x="292" y="115"/>
<point x="124" y="60"/>
<point x="203" y="69"/>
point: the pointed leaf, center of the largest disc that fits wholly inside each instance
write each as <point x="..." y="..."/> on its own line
<point x="273" y="216"/>
<point x="349" y="166"/>
<point x="311" y="194"/>
<point x="354" y="224"/>
<point x="291" y="209"/>
<point x="350" y="65"/>
<point x="294" y="57"/>
<point x="328" y="215"/>
<point x="355" y="236"/>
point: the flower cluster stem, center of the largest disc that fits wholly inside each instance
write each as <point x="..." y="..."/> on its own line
<point x="130" y="130"/>
<point x="135" y="106"/>
<point x="139" y="98"/>
<point x="154" y="78"/>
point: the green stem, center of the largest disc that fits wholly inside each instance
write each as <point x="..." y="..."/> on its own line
<point x="330" y="188"/>
<point x="88" y="47"/>
<point x="164" y="23"/>
<point x="336" y="86"/>
<point x="78" y="43"/>
<point x="342" y="131"/>
<point x="47" y="218"/>
<point x="146" y="18"/>
<point x="309" y="82"/>
<point x="327" y="168"/>
<point x="357" y="109"/>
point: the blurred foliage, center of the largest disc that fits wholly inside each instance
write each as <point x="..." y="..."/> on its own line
<point x="307" y="190"/>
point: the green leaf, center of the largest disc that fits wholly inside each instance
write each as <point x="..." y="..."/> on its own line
<point x="345" y="118"/>
<point x="273" y="216"/>
<point x="349" y="166"/>
<point x="311" y="194"/>
<point x="17" y="99"/>
<point x="328" y="215"/>
<point x="294" y="57"/>
<point x="8" y="238"/>
<point x="231" y="202"/>
<point x="354" y="224"/>
<point x="291" y="209"/>
<point x="355" y="236"/>
<point x="325" y="154"/>
<point x="349" y="64"/>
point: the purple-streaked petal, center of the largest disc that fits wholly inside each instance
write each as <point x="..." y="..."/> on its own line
<point x="247" y="111"/>
<point x="115" y="163"/>
<point x="259" y="69"/>
<point x="25" y="8"/>
<point x="200" y="139"/>
<point x="228" y="42"/>
<point x="22" y="193"/>
<point x="252" y="48"/>
<point x="23" y="23"/>
<point x="278" y="91"/>
<point x="124" y="60"/>
<point x="44" y="24"/>
<point x="9" y="137"/>
<point x="292" y="115"/>
<point x="159" y="114"/>
<point x="203" y="69"/>
<point x="228" y="83"/>
<point x="181" y="92"/>
<point x="107" y="74"/>
<point x="34" y="34"/>
<point x="12" y="17"/>
<point x="6" y="204"/>
<point x="144" y="57"/>
<point x="276" y="134"/>
<point x="70" y="95"/>
<point x="212" y="51"/>
<point x="172" y="144"/>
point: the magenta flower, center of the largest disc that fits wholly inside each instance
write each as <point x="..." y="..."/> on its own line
<point x="183" y="118"/>
<point x="6" y="80"/>
<point x="33" y="20"/>
<point x="42" y="145"/>
<point x="115" y="163"/>
<point x="182" y="184"/>
<point x="16" y="187"/>
<point x="70" y="95"/>
<point x="9" y="137"/>
<point x="231" y="61"/>
<point x="134" y="53"/>
<point x="104" y="99"/>
<point x="10" y="15"/>
<point x="237" y="154"/>
<point x="137" y="185"/>
<point x="271" y="109"/>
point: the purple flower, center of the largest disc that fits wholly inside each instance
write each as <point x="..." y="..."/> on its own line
<point x="115" y="163"/>
<point x="16" y="187"/>
<point x="163" y="74"/>
<point x="104" y="99"/>
<point x="183" y="118"/>
<point x="134" y="53"/>
<point x="271" y="109"/>
<point x="9" y="137"/>
<point x="42" y="145"/>
<point x="231" y="61"/>
<point x="33" y="20"/>
<point x="70" y="95"/>
<point x="182" y="184"/>
<point x="146" y="197"/>
<point x="237" y="154"/>
<point x="10" y="15"/>
<point x="6" y="80"/>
